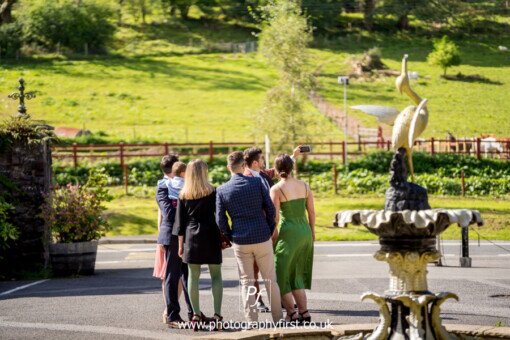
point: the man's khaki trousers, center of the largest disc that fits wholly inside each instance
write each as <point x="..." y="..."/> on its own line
<point x="262" y="254"/>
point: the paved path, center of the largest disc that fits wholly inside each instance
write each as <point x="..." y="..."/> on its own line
<point x="123" y="301"/>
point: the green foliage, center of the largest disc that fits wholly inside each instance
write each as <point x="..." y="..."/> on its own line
<point x="8" y="232"/>
<point x="448" y="165"/>
<point x="143" y="172"/>
<point x="428" y="11"/>
<point x="283" y="41"/>
<point x="324" y="15"/>
<point x="24" y="131"/>
<point x="75" y="213"/>
<point x="362" y="181"/>
<point x="68" y="23"/>
<point x="440" y="174"/>
<point x="241" y="11"/>
<point x="445" y="54"/>
<point x="10" y="39"/>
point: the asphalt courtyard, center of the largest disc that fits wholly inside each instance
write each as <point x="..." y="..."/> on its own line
<point x="122" y="300"/>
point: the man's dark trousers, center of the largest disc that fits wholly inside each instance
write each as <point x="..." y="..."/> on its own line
<point x="175" y="271"/>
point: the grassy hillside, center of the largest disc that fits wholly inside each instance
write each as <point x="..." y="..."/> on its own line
<point x="156" y="85"/>
<point x="162" y="82"/>
<point x="466" y="108"/>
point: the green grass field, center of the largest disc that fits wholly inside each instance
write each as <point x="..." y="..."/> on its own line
<point x="466" y="108"/>
<point x="136" y="214"/>
<point x="159" y="83"/>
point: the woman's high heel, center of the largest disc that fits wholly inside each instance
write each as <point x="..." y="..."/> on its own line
<point x="291" y="317"/>
<point x="218" y="322"/>
<point x="196" y="320"/>
<point x="303" y="319"/>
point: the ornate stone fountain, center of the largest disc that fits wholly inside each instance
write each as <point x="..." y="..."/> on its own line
<point x="408" y="310"/>
<point x="407" y="230"/>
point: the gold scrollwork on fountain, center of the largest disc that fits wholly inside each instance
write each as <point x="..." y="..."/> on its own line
<point x="424" y="321"/>
<point x="408" y="269"/>
<point x="382" y="329"/>
<point x="435" y="318"/>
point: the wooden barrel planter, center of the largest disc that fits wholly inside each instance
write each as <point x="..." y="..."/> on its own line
<point x="73" y="258"/>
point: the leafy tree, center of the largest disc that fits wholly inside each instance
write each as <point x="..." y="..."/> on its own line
<point x="368" y="7"/>
<point x="437" y="11"/>
<point x="402" y="9"/>
<point x="445" y="54"/>
<point x="283" y="41"/>
<point x="140" y="8"/>
<point x="323" y="14"/>
<point x="11" y="39"/>
<point x="181" y="6"/>
<point x="70" y="24"/>
<point x="6" y="11"/>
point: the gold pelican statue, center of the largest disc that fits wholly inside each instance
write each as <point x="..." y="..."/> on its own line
<point x="407" y="124"/>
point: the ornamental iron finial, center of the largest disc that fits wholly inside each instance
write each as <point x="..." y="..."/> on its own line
<point x="22" y="110"/>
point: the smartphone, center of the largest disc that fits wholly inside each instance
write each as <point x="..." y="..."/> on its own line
<point x="305" y="148"/>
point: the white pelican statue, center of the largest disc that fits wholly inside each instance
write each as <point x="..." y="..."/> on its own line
<point x="409" y="124"/>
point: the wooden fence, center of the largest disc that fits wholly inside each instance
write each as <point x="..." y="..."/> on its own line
<point x="477" y="147"/>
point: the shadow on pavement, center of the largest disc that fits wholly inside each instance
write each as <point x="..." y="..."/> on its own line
<point x="103" y="282"/>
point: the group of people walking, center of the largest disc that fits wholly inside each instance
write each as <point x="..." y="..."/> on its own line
<point x="269" y="226"/>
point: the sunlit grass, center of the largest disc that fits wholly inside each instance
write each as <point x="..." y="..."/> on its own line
<point x="466" y="108"/>
<point x="160" y="84"/>
<point x="136" y="214"/>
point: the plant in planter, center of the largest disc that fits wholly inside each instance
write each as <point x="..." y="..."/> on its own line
<point x="75" y="216"/>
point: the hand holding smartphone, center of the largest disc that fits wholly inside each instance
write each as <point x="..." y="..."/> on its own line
<point x="305" y="148"/>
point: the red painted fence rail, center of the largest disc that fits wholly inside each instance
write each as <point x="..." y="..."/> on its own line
<point x="498" y="149"/>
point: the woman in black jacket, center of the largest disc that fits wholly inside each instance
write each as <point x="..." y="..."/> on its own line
<point x="199" y="235"/>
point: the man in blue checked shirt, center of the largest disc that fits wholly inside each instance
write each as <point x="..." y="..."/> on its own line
<point x="252" y="213"/>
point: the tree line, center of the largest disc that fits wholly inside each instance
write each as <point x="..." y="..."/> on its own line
<point x="89" y="24"/>
<point x="324" y="15"/>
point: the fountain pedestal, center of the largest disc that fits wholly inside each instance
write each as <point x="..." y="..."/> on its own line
<point x="408" y="310"/>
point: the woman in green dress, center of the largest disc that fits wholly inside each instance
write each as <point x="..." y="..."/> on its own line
<point x="293" y="239"/>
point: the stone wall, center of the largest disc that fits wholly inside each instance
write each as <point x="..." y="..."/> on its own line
<point x="29" y="169"/>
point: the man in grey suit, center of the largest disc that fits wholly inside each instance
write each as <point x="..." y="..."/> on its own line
<point x="252" y="213"/>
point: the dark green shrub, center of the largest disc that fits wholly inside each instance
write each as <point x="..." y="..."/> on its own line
<point x="72" y="25"/>
<point x="440" y="174"/>
<point x="8" y="232"/>
<point x="444" y="164"/>
<point x="10" y="39"/>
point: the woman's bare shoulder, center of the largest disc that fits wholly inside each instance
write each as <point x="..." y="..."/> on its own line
<point x="302" y="183"/>
<point x="276" y="186"/>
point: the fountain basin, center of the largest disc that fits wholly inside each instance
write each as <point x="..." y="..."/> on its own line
<point x="408" y="229"/>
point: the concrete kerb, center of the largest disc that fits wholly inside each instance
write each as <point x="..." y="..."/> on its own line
<point x="480" y="332"/>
